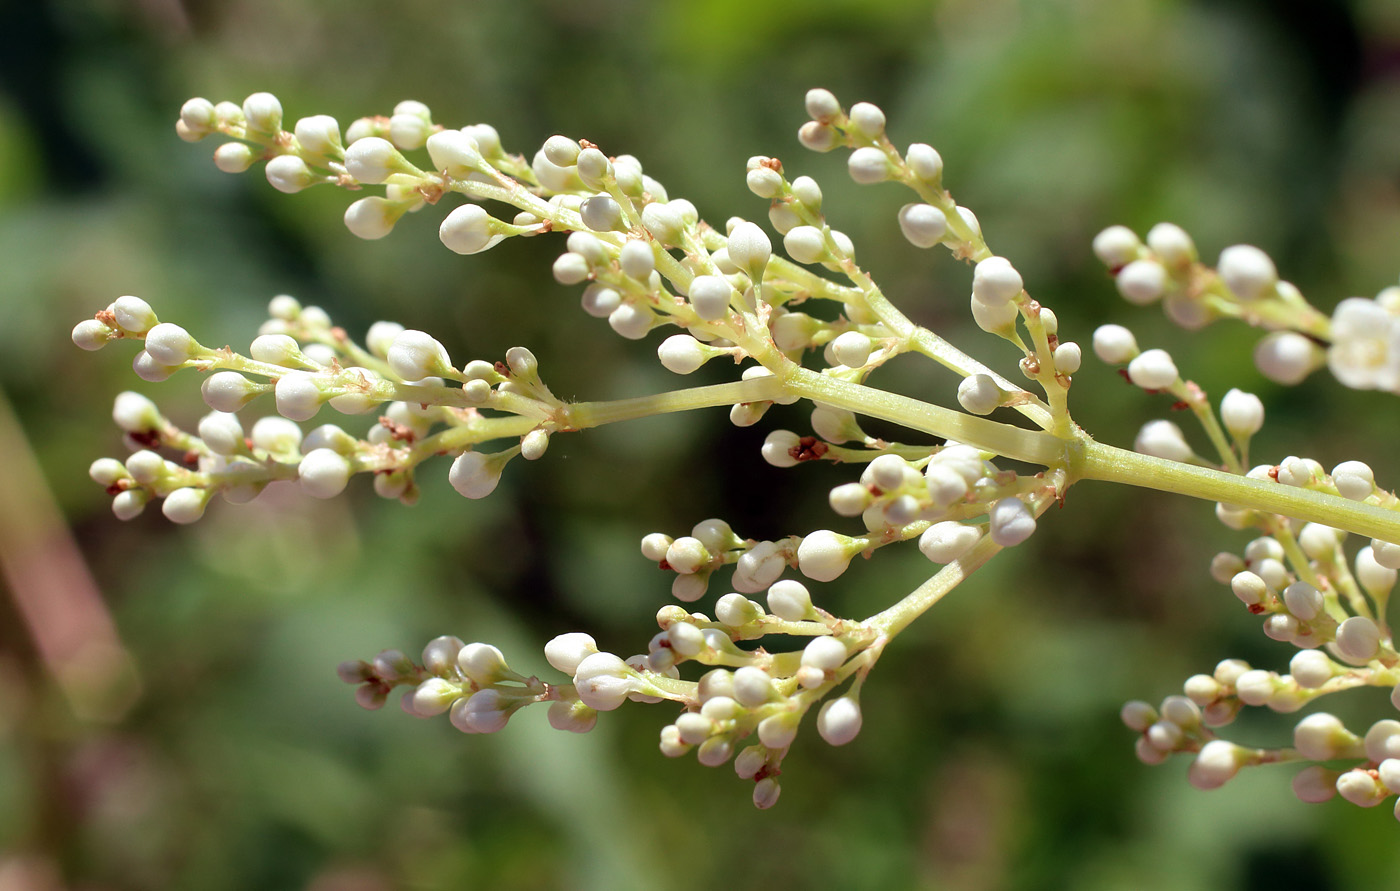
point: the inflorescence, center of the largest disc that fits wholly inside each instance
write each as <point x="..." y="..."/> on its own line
<point x="647" y="261"/>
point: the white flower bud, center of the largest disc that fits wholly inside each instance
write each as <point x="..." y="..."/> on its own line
<point x="1153" y="370"/>
<point x="805" y="244"/>
<point x="821" y="104"/>
<point x="1382" y="741"/>
<point x="233" y="157"/>
<point x="777" y="731"/>
<point x="1011" y="522"/>
<point x="323" y="473"/>
<point x="90" y="334"/>
<point x="735" y="610"/>
<point x="778" y="447"/>
<point x="979" y="394"/>
<point x="169" y="344"/>
<point x="133" y="315"/>
<point x="1249" y="588"/>
<point x="824" y="555"/>
<point x="852" y="348"/>
<point x="1116" y="246"/>
<point x="1385" y="553"/>
<point x="1286" y="357"/>
<point x="947" y="541"/>
<point x="1360" y="788"/>
<point x="999" y="319"/>
<point x="409" y="125"/>
<point x="278" y="436"/>
<point x="1375" y="578"/>
<point x="574" y="717"/>
<point x="867" y="119"/>
<point x="1319" y="542"/>
<point x="631" y="321"/>
<point x="298" y="396"/>
<point x="567" y="651"/>
<point x="1247" y="271"/>
<point x="749" y="249"/>
<point x="185" y="505"/>
<point x="1142" y="281"/>
<point x="467" y="230"/>
<point x="1171" y="244"/>
<point x="415" y="355"/>
<point x="603" y="681"/>
<point x="710" y="295"/>
<point x="1243" y="413"/>
<point x="1067" y="356"/>
<point x="474" y="474"/>
<point x="1115" y="344"/>
<point x="925" y="162"/>
<point x="228" y="391"/>
<point x="318" y="134"/>
<point x="683" y="354"/>
<point x="825" y="653"/>
<point x="1311" y="669"/>
<point x="593" y="167"/>
<point x="483" y="664"/>
<point x="372" y="218"/>
<point x="1162" y="439"/>
<point x="752" y="686"/>
<point x="1217" y="762"/>
<point x="790" y="600"/>
<point x="687" y="554"/>
<point x="289" y="174"/>
<point x="995" y="281"/>
<point x="765" y="182"/>
<point x="135" y="413"/>
<point x="1303" y="600"/>
<point x="839" y="720"/>
<point x="600" y="301"/>
<point x="1354" y="480"/>
<point x="923" y="225"/>
<point x="1358" y="640"/>
<point x="373" y="159"/>
<point x="665" y="222"/>
<point x="455" y="153"/>
<point x="869" y="165"/>
<point x="561" y="151"/>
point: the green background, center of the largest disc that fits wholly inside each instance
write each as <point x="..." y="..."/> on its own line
<point x="991" y="757"/>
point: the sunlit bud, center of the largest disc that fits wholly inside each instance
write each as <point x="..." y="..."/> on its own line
<point x="750" y="249"/>
<point x="129" y="504"/>
<point x="852" y="349"/>
<point x="603" y="681"/>
<point x="561" y="151"/>
<point x="654" y="546"/>
<point x="1116" y="246"/>
<point x="1358" y="640"/>
<point x="1249" y="588"/>
<point x="821" y="104"/>
<point x="922" y="224"/>
<point x="298" y="397"/>
<point x="278" y="436"/>
<point x="1247" y="271"/>
<point x="323" y="473"/>
<point x="1318" y="541"/>
<point x="1115" y="344"/>
<point x="233" y="157"/>
<point x="1162" y="439"/>
<point x="666" y="223"/>
<point x="1067" y="357"/>
<point x="475" y="474"/>
<point x="288" y="173"/>
<point x="263" y="112"/>
<point x="824" y="555"/>
<point x="566" y="651"/>
<point x="1375" y="578"/>
<point x="869" y="165"/>
<point x="1287" y="357"/>
<point x="817" y="137"/>
<point x="1385" y="553"/>
<point x="170" y="345"/>
<point x="979" y="394"/>
<point x="1354" y="480"/>
<point x="947" y="541"/>
<point x="1011" y="522"/>
<point x="574" y="717"/>
<point x="185" y="505"/>
<point x="467" y="230"/>
<point x="1315" y="784"/>
<point x="1303" y="600"/>
<point x="1138" y="715"/>
<point x="839" y="720"/>
<point x="483" y="663"/>
<point x="995" y="281"/>
<point x="593" y="168"/>
<point x="415" y="355"/>
<point x="1153" y="370"/>
<point x="1360" y="788"/>
<point x="1217" y="762"/>
<point x="90" y="334"/>
<point x="133" y="315"/>
<point x="1171" y="244"/>
<point x="228" y="391"/>
<point x="1243" y="413"/>
<point x="777" y="731"/>
<point x="995" y="319"/>
<point x="735" y="610"/>
<point x="867" y="119"/>
<point x="1311" y="668"/>
<point x="824" y="653"/>
<point x="135" y="413"/>
<point x="764" y="181"/>
<point x="805" y="244"/>
<point x="372" y="218"/>
<point x="789" y="599"/>
<point x="1142" y="281"/>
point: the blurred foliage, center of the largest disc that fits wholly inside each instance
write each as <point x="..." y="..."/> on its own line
<point x="992" y="755"/>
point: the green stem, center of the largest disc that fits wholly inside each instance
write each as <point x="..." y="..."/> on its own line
<point x="895" y="619"/>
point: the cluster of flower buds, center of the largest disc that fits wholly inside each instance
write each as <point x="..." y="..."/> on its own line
<point x="1360" y="343"/>
<point x="645" y="260"/>
<point x="426" y="406"/>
